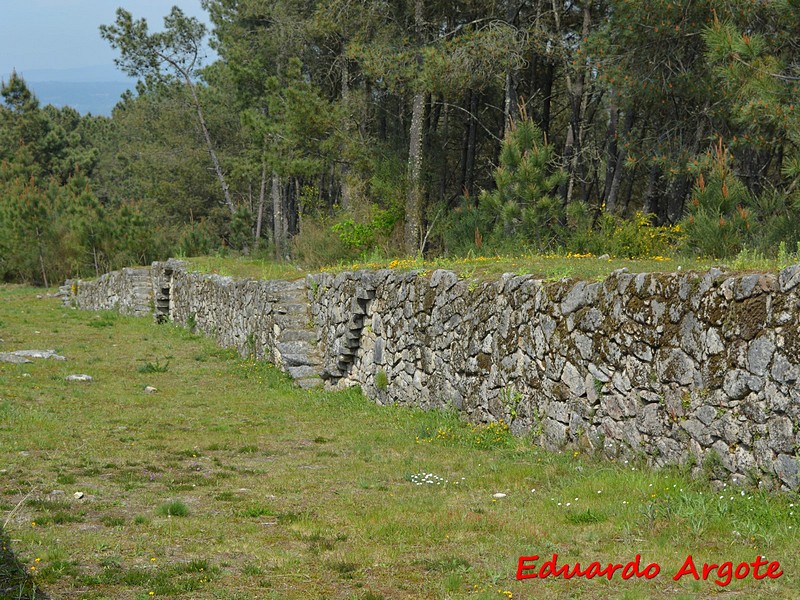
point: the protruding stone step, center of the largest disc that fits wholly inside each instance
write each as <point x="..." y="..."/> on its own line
<point x="291" y="309"/>
<point x="294" y="354"/>
<point x="295" y="321"/>
<point x="309" y="382"/>
<point x="303" y="371"/>
<point x="298" y="335"/>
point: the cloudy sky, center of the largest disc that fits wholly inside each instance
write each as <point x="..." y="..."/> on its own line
<point x="37" y="35"/>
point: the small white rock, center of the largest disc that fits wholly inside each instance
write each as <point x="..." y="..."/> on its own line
<point x="150" y="389"/>
<point x="499" y="495"/>
<point x="79" y="377"/>
<point x="78" y="495"/>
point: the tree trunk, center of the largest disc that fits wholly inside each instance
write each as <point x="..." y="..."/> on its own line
<point x="262" y="193"/>
<point x="413" y="225"/>
<point x="41" y="257"/>
<point x="348" y="129"/>
<point x="651" y="203"/>
<point x="676" y="199"/>
<point x="446" y="137"/>
<point x="414" y="197"/>
<point x="209" y="145"/>
<point x="579" y="101"/>
<point x="468" y="150"/>
<point x="547" y="98"/>
<point x="612" y="189"/>
<point x="511" y="104"/>
<point x="279" y="222"/>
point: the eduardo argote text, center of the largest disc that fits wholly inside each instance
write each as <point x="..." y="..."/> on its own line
<point x="529" y="567"/>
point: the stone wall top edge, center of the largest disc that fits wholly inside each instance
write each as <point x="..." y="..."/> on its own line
<point x="783" y="281"/>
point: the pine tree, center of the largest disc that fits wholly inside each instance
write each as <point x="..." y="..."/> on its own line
<point x="522" y="206"/>
<point x="719" y="220"/>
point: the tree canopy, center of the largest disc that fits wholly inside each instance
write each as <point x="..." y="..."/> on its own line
<point x="327" y="129"/>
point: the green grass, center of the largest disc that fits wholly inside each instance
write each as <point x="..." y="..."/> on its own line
<point x="293" y="494"/>
<point x="481" y="268"/>
<point x="174" y="508"/>
<point x="245" y="267"/>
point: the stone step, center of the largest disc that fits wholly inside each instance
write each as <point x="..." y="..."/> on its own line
<point x="288" y="322"/>
<point x="309" y="382"/>
<point x="297" y="335"/>
<point x="295" y="354"/>
<point x="303" y="371"/>
<point x="291" y="309"/>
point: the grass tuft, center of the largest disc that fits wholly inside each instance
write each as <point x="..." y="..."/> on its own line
<point x="174" y="508"/>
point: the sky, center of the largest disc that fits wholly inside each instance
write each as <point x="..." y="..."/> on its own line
<point x="40" y="36"/>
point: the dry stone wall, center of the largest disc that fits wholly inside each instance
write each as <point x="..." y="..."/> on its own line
<point x="677" y="368"/>
<point x="129" y="291"/>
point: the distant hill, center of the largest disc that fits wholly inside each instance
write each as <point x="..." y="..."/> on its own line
<point x="96" y="97"/>
<point x="94" y="89"/>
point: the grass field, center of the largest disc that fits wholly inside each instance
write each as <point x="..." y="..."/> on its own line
<point x="229" y="483"/>
<point x="547" y="267"/>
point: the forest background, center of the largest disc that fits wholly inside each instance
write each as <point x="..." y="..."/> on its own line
<point x="325" y="131"/>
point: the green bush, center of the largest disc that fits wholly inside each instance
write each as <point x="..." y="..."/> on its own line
<point x="628" y="238"/>
<point x="317" y="244"/>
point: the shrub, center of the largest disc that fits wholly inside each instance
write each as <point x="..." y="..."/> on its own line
<point x="629" y="238"/>
<point x="317" y="244"/>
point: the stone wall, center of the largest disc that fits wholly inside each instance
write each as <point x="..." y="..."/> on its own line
<point x="130" y="291"/>
<point x="698" y="368"/>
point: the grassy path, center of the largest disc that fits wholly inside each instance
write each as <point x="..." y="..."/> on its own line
<point x="227" y="483"/>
